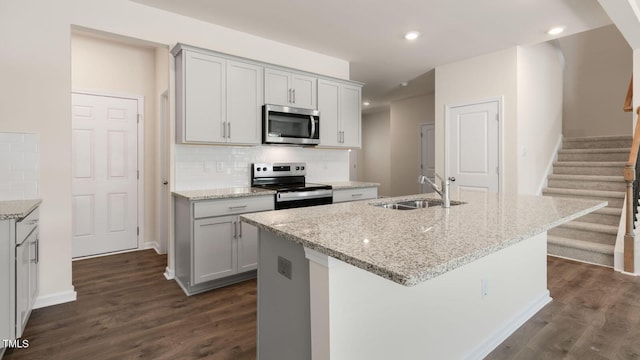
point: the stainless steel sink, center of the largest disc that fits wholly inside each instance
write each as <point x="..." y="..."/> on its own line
<point x="414" y="204"/>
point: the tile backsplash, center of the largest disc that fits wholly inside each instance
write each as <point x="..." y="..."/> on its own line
<point x="19" y="164"/>
<point x="206" y="167"/>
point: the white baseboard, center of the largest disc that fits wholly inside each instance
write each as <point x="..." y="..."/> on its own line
<point x="549" y="171"/>
<point x="169" y="274"/>
<point x="152" y="245"/>
<point x="55" y="299"/>
<point x="500" y="335"/>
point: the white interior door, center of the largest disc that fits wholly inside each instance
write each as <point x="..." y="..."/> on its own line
<point x="428" y="154"/>
<point x="473" y="147"/>
<point x="104" y="184"/>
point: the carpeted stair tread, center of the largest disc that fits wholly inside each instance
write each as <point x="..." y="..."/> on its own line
<point x="586" y="177"/>
<point x="619" y="164"/>
<point x="584" y="193"/>
<point x="581" y="244"/>
<point x="608" y="211"/>
<point x="595" y="151"/>
<point x="599" y="138"/>
<point x="587" y="226"/>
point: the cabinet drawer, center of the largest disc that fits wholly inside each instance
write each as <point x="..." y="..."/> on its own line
<point x="26" y="225"/>
<point x="242" y="205"/>
<point x="354" y="194"/>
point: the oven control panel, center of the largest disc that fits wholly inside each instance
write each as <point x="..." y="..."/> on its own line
<point x="278" y="169"/>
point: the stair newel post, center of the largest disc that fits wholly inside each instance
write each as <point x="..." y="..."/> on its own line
<point x="629" y="237"/>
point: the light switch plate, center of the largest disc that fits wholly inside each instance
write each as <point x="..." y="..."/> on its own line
<point x="284" y="267"/>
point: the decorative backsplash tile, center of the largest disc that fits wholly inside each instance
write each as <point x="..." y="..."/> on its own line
<point x="19" y="164"/>
<point x="206" y="167"/>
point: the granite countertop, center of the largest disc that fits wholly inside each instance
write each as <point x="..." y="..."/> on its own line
<point x="412" y="246"/>
<point x="223" y="193"/>
<point x="17" y="209"/>
<point x="341" y="185"/>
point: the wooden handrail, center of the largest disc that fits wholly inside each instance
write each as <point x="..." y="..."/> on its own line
<point x="628" y="101"/>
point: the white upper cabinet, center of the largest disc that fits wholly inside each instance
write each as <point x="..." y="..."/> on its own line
<point x="340" y="114"/>
<point x="244" y="102"/>
<point x="289" y="89"/>
<point x="218" y="100"/>
<point x="201" y="87"/>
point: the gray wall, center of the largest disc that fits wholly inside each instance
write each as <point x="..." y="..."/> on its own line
<point x="597" y="73"/>
<point x="375" y="156"/>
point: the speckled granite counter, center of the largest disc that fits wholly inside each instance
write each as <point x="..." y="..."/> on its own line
<point x="412" y="246"/>
<point x="17" y="209"/>
<point x="223" y="193"/>
<point x="341" y="185"/>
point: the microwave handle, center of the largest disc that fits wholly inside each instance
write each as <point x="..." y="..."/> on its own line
<point x="313" y="127"/>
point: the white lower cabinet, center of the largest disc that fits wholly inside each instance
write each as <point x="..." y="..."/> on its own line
<point x="18" y="274"/>
<point x="213" y="248"/>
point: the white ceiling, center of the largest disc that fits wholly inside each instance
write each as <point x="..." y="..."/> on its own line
<point x="369" y="33"/>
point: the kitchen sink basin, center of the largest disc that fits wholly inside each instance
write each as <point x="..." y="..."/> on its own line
<point x="414" y="204"/>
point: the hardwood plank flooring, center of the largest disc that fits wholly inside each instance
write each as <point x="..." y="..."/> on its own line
<point x="126" y="309"/>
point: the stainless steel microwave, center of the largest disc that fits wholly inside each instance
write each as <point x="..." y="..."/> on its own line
<point x="290" y="125"/>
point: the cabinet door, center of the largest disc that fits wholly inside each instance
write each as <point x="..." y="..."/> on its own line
<point x="204" y="97"/>
<point x="22" y="286"/>
<point x="329" y="107"/>
<point x="304" y="91"/>
<point x="33" y="268"/>
<point x="277" y="89"/>
<point x="244" y="102"/>
<point x="214" y="250"/>
<point x="350" y="115"/>
<point x="247" y="247"/>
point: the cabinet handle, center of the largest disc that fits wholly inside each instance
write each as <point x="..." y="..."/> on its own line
<point x="240" y="226"/>
<point x="32" y="222"/>
<point x="356" y="195"/>
<point x="228" y="129"/>
<point x="289" y="98"/>
<point x="237" y="207"/>
<point x="235" y="229"/>
<point x="224" y="129"/>
<point x="338" y="136"/>
<point x="342" y="136"/>
<point x="294" y="96"/>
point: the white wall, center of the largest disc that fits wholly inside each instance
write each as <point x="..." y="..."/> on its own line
<point x="406" y="117"/>
<point x="540" y="69"/>
<point x="479" y="78"/>
<point x="35" y="42"/>
<point x="19" y="160"/>
<point x="208" y="167"/>
<point x="376" y="150"/>
<point x="120" y="68"/>
<point x="598" y="70"/>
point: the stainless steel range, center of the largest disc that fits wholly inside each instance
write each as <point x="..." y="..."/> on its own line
<point x="288" y="179"/>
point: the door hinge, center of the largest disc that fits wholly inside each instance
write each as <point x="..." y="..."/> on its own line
<point x="497" y="117"/>
<point x="498" y="170"/>
<point x="138" y="174"/>
<point x="138" y="119"/>
<point x="138" y="230"/>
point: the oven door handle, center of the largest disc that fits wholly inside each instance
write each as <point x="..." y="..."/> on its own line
<point x="301" y="195"/>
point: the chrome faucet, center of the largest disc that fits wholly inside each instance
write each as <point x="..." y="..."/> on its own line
<point x="442" y="190"/>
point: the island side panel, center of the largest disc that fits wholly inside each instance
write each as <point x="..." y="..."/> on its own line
<point x="283" y="303"/>
<point x="443" y="318"/>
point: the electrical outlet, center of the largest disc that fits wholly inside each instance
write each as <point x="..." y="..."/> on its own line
<point x="284" y="267"/>
<point x="484" y="288"/>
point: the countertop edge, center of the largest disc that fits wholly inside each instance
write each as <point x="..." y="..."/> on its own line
<point x="213" y="196"/>
<point x="26" y="208"/>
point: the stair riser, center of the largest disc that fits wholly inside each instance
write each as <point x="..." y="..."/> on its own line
<point x="592" y="236"/>
<point x="588" y="170"/>
<point x="600" y="219"/>
<point x="588" y="185"/>
<point x="613" y="202"/>
<point x="580" y="255"/>
<point x="599" y="144"/>
<point x="594" y="157"/>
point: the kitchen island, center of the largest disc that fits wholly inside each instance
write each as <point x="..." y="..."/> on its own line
<point x="358" y="281"/>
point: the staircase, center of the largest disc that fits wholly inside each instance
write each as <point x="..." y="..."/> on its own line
<point x="589" y="168"/>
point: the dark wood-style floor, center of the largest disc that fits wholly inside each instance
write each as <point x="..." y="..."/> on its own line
<point x="127" y="310"/>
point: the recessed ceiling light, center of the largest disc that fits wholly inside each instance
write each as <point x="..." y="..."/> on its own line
<point x="366" y="103"/>
<point x="411" y="35"/>
<point x="404" y="83"/>
<point x="556" y="30"/>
